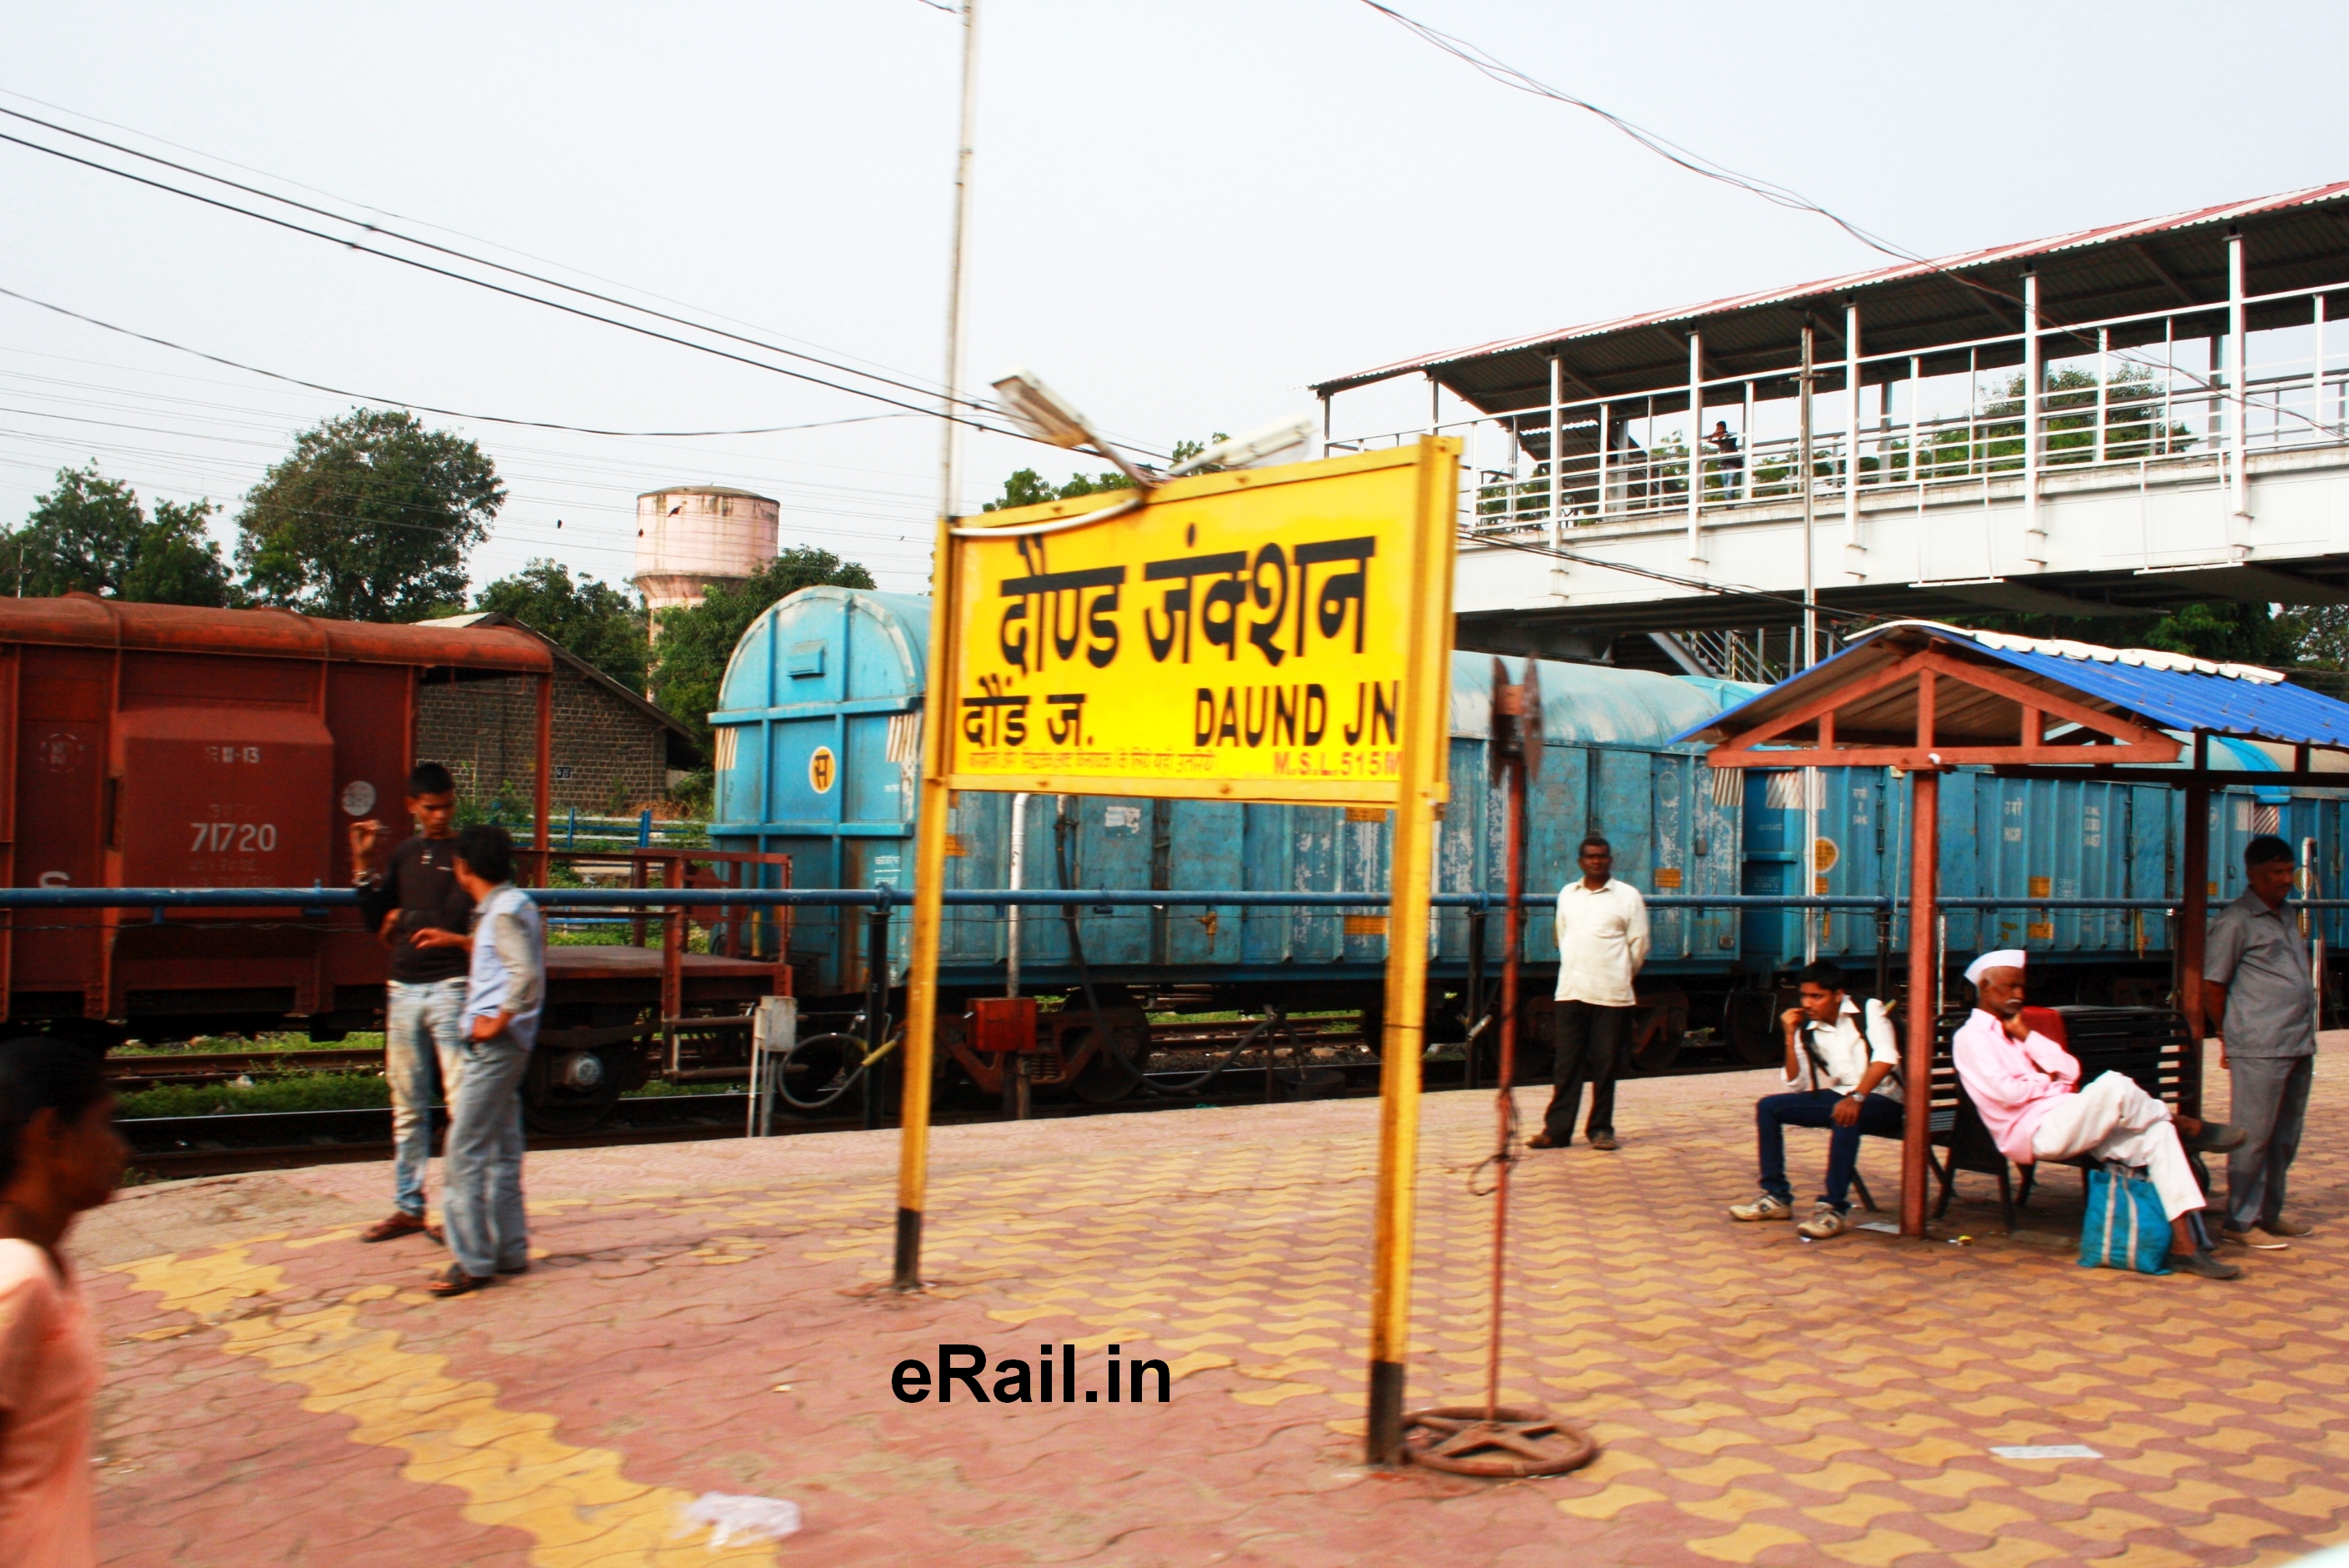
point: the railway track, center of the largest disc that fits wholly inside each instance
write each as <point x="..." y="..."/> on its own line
<point x="169" y="1148"/>
<point x="198" y="1068"/>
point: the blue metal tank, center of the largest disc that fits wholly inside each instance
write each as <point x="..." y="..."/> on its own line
<point x="818" y="752"/>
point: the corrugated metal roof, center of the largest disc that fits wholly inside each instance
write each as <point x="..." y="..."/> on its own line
<point x="2165" y="690"/>
<point x="2106" y="236"/>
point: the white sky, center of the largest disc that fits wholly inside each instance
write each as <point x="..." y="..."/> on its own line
<point x="1185" y="213"/>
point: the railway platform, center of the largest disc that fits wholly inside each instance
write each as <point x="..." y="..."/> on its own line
<point x="714" y="1317"/>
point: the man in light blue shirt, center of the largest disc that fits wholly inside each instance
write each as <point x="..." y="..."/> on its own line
<point x="505" y="989"/>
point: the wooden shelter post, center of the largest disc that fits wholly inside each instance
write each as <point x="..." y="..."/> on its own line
<point x="2193" y="927"/>
<point x="1916" y="1063"/>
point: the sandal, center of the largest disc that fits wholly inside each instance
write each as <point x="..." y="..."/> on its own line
<point x="457" y="1281"/>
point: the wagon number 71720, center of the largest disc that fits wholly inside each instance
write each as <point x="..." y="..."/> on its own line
<point x="234" y="837"/>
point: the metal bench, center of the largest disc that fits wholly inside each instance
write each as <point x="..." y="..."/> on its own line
<point x="2147" y="1044"/>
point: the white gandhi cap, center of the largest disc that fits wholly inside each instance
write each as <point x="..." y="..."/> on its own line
<point x="2004" y="958"/>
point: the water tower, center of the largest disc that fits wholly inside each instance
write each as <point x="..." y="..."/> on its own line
<point x="691" y="536"/>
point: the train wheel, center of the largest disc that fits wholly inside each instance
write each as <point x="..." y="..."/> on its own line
<point x="1114" y="1071"/>
<point x="569" y="1092"/>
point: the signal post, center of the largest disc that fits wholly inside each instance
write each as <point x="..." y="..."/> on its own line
<point x="1279" y="634"/>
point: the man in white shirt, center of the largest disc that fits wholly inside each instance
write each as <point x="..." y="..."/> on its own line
<point x="1849" y="1058"/>
<point x="1602" y="939"/>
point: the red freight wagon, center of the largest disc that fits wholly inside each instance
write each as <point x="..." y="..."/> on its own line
<point x="168" y="746"/>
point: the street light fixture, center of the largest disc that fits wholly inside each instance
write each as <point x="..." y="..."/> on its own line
<point x="1241" y="452"/>
<point x="1044" y="414"/>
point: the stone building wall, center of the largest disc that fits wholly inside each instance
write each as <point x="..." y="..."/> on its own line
<point x="609" y="757"/>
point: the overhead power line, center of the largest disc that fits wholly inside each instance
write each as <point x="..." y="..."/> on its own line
<point x="427" y="407"/>
<point x="510" y="292"/>
<point x="455" y="254"/>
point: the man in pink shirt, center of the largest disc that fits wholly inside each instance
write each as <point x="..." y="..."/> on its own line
<point x="58" y="1156"/>
<point x="2028" y="1091"/>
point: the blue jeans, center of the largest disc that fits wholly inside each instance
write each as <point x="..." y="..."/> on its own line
<point x="423" y="1037"/>
<point x="482" y="1200"/>
<point x="1816" y="1107"/>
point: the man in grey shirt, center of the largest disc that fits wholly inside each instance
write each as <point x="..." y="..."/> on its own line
<point x="2261" y="1002"/>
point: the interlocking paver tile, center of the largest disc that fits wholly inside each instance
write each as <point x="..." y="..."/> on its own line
<point x="278" y="1393"/>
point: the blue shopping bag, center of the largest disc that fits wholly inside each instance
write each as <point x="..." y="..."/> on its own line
<point x="2126" y="1227"/>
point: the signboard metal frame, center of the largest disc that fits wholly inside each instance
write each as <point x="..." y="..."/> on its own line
<point x="1416" y="793"/>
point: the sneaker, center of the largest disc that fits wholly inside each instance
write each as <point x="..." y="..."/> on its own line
<point x="1602" y="1140"/>
<point x="2203" y="1264"/>
<point x="1823" y="1223"/>
<point x="2279" y="1226"/>
<point x="1765" y="1207"/>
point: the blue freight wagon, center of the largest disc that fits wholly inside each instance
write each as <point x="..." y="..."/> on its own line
<point x="818" y="752"/>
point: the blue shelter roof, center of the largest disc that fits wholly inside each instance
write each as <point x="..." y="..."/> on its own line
<point x="2168" y="691"/>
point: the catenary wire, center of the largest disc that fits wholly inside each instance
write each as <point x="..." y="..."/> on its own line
<point x="510" y="292"/>
<point x="459" y="233"/>
<point x="1508" y="76"/>
<point x="456" y="254"/>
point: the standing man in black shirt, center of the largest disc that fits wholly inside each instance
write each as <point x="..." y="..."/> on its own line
<point x="414" y="889"/>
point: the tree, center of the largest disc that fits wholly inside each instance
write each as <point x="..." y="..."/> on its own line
<point x="696" y="640"/>
<point x="369" y="519"/>
<point x="593" y="621"/>
<point x="1025" y="487"/>
<point x="90" y="535"/>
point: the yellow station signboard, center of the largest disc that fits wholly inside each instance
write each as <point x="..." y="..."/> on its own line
<point x="1244" y="635"/>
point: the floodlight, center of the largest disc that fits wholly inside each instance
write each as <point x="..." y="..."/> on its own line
<point x="1042" y="412"/>
<point x="1242" y="450"/>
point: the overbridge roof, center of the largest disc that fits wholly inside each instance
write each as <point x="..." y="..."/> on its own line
<point x="2147" y="686"/>
<point x="2299" y="239"/>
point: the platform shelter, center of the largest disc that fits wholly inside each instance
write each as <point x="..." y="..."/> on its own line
<point x="2104" y="423"/>
<point x="1923" y="699"/>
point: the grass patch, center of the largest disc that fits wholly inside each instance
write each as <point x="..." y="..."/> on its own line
<point x="296" y="1091"/>
<point x="212" y="1045"/>
<point x="658" y="1089"/>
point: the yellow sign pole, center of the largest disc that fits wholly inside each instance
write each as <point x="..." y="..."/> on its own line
<point x="930" y="908"/>
<point x="1426" y="707"/>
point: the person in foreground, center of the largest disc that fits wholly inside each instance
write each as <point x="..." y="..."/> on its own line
<point x="1850" y="1058"/>
<point x="1603" y="940"/>
<point x="2261" y="999"/>
<point x="411" y="890"/>
<point x="488" y="1233"/>
<point x="2028" y="1091"/>
<point x="59" y="1155"/>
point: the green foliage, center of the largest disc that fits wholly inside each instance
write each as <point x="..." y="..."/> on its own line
<point x="593" y="621"/>
<point x="696" y="640"/>
<point x="369" y="519"/>
<point x="1025" y="487"/>
<point x="293" y="1091"/>
<point x="2226" y="632"/>
<point x="90" y="535"/>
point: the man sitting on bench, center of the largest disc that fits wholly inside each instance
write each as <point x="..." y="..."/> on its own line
<point x="1847" y="1068"/>
<point x="2028" y="1092"/>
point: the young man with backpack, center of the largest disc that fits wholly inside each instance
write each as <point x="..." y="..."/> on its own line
<point x="1842" y="1074"/>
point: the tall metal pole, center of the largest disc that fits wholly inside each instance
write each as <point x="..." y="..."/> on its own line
<point x="930" y="813"/>
<point x="950" y="429"/>
<point x="1696" y="453"/>
<point x="2035" y="378"/>
<point x="1808" y="859"/>
<point x="1810" y="576"/>
<point x="2238" y="387"/>
<point x="1513" y="925"/>
<point x="1404" y="1039"/>
<point x="1854" y="552"/>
